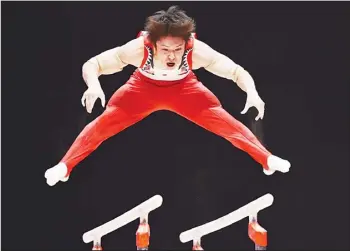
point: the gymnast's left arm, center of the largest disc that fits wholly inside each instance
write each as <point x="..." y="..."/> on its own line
<point x="222" y="66"/>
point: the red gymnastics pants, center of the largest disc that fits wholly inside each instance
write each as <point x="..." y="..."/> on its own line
<point x="141" y="96"/>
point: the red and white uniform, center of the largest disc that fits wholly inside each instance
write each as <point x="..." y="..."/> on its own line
<point x="149" y="90"/>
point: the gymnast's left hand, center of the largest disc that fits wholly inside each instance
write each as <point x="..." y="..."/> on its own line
<point x="254" y="100"/>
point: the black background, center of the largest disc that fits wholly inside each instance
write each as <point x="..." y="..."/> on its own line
<point x="298" y="54"/>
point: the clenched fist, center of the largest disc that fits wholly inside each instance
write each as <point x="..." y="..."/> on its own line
<point x="91" y="95"/>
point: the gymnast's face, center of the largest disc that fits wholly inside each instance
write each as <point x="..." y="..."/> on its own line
<point x="170" y="51"/>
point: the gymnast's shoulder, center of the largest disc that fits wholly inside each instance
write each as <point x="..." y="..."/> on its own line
<point x="132" y="52"/>
<point x="203" y="55"/>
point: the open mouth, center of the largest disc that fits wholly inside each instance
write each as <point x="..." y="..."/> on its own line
<point x="170" y="64"/>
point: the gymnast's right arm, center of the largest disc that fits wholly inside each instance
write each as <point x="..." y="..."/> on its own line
<point x="113" y="61"/>
<point x="106" y="63"/>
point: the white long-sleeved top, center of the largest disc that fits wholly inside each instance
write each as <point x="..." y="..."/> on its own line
<point x="132" y="53"/>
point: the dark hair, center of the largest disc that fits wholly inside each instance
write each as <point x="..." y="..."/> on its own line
<point x="173" y="22"/>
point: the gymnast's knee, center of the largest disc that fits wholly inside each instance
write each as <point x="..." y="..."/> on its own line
<point x="106" y="117"/>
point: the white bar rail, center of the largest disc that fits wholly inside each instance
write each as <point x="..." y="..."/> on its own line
<point x="139" y="211"/>
<point x="249" y="209"/>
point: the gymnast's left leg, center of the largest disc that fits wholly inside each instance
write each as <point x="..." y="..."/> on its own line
<point x="199" y="105"/>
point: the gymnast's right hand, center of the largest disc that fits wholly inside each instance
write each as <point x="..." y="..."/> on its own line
<point x="91" y="95"/>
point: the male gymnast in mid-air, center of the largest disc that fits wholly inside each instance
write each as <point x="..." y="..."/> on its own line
<point x="165" y="54"/>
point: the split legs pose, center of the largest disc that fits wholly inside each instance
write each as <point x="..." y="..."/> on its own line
<point x="141" y="96"/>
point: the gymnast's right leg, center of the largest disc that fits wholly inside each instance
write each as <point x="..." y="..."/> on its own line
<point x="127" y="106"/>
